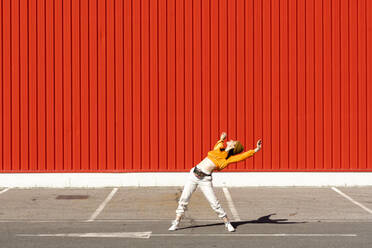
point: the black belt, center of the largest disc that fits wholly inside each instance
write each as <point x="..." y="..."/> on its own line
<point x="199" y="174"/>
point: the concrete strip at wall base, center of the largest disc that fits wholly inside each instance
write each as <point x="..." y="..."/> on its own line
<point x="234" y="179"/>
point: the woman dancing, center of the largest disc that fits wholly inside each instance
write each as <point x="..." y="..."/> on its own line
<point x="201" y="175"/>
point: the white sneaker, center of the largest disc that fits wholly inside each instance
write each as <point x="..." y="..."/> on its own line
<point x="174" y="226"/>
<point x="229" y="227"/>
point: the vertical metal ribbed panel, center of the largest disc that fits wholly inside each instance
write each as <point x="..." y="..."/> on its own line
<point x="148" y="85"/>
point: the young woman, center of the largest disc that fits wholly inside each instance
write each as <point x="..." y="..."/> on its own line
<point x="201" y="175"/>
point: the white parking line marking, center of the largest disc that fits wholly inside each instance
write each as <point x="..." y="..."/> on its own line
<point x="352" y="200"/>
<point x="147" y="235"/>
<point x="138" y="235"/>
<point x="231" y="204"/>
<point x="256" y="235"/>
<point x="4" y="190"/>
<point x="103" y="205"/>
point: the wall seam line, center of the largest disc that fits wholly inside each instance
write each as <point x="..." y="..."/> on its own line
<point x="89" y="96"/>
<point x="306" y="136"/>
<point x="253" y="77"/>
<point x="193" y="76"/>
<point x="63" y="95"/>
<point x="262" y="82"/>
<point x="210" y="72"/>
<point x="158" y="76"/>
<point x="323" y="122"/>
<point x="236" y="74"/>
<point x="227" y="67"/>
<point x="332" y="86"/>
<point x="97" y="121"/>
<point x="349" y="77"/>
<point x="37" y="90"/>
<point x="366" y="64"/>
<point x="140" y="83"/>
<point x="106" y="114"/>
<point x="314" y="148"/>
<point x="72" y="93"/>
<point x="279" y="88"/>
<point x="123" y="91"/>
<point x="148" y="84"/>
<point x="175" y="84"/>
<point x="19" y="90"/>
<point x="11" y="89"/>
<point x="245" y="81"/>
<point x="357" y="54"/>
<point x="340" y="90"/>
<point x="45" y="93"/>
<point x="288" y="70"/>
<point x="271" y="90"/>
<point x="201" y="77"/>
<point x="132" y="124"/>
<point x="219" y="69"/>
<point x="28" y="86"/>
<point x="184" y="82"/>
<point x="54" y="84"/>
<point x="2" y="86"/>
<point x="166" y="79"/>
<point x="297" y="84"/>
<point x="81" y="155"/>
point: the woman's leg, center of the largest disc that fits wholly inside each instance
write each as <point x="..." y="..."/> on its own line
<point x="207" y="189"/>
<point x="188" y="189"/>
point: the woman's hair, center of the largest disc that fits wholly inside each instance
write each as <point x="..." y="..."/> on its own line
<point x="237" y="149"/>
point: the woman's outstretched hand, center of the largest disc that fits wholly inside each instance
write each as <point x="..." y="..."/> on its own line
<point x="259" y="145"/>
<point x="223" y="136"/>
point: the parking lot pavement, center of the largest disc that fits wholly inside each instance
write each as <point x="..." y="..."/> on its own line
<point x="201" y="234"/>
<point x="3" y="190"/>
<point x="139" y="217"/>
<point x="50" y="204"/>
<point x="362" y="195"/>
<point x="160" y="203"/>
<point x="298" y="203"/>
<point x="157" y="203"/>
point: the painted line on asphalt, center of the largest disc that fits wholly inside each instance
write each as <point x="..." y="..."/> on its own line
<point x="4" y="190"/>
<point x="169" y="220"/>
<point x="257" y="235"/>
<point x="96" y="220"/>
<point x="352" y="200"/>
<point x="103" y="205"/>
<point x="138" y="235"/>
<point x="147" y="235"/>
<point x="109" y="221"/>
<point x="231" y="204"/>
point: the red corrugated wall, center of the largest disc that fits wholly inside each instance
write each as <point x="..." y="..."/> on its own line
<point x="148" y="85"/>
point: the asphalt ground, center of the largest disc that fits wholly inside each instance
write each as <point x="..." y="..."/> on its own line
<point x="140" y="217"/>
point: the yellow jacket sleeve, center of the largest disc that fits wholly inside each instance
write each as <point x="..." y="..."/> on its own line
<point x="218" y="145"/>
<point x="241" y="156"/>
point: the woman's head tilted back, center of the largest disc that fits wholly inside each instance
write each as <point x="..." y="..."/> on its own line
<point x="233" y="148"/>
<point x="238" y="148"/>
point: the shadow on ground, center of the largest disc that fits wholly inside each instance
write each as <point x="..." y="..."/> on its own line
<point x="262" y="220"/>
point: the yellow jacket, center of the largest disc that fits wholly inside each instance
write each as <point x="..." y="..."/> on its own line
<point x="218" y="156"/>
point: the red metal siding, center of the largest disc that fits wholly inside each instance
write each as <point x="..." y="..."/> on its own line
<point x="148" y="85"/>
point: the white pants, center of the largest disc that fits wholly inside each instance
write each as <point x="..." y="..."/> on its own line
<point x="207" y="189"/>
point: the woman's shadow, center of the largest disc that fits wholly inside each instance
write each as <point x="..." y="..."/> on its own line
<point x="262" y="220"/>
